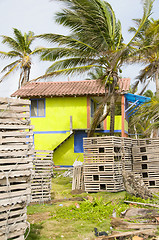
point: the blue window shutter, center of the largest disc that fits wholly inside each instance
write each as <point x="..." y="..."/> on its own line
<point x="78" y="141"/>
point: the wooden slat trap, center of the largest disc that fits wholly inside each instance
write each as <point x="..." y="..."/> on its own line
<point x="16" y="150"/>
<point x="42" y="174"/>
<point x="78" y="180"/>
<point x="104" y="160"/>
<point x="146" y="161"/>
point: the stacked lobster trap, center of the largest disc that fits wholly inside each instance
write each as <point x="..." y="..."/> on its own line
<point x="146" y="161"/>
<point x="42" y="175"/>
<point x="104" y="160"/>
<point x="16" y="150"/>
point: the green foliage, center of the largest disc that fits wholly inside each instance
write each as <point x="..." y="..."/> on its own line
<point x="97" y="209"/>
<point x="20" y="50"/>
<point x="154" y="200"/>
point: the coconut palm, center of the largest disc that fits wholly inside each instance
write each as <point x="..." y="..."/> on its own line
<point x="95" y="42"/>
<point x="145" y="122"/>
<point x="21" y="51"/>
<point x="147" y="43"/>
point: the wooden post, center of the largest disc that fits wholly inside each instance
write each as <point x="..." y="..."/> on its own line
<point x="71" y="124"/>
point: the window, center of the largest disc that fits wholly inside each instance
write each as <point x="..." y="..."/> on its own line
<point x="92" y="107"/>
<point x="38" y="108"/>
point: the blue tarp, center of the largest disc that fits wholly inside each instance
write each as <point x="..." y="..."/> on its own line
<point x="134" y="101"/>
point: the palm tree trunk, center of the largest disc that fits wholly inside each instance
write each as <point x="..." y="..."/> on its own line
<point x="98" y="117"/>
<point x="26" y="74"/>
<point x="112" y="114"/>
<point x="157" y="84"/>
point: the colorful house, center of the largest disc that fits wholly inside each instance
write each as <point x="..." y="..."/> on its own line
<point x="61" y="113"/>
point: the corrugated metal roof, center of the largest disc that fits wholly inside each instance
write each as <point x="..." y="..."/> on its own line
<point x="70" y="88"/>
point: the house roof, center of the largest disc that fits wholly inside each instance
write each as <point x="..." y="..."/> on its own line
<point x="69" y="88"/>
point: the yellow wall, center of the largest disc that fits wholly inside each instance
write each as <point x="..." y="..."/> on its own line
<point x="58" y="112"/>
<point x="52" y="129"/>
<point x="64" y="155"/>
<point x="125" y="125"/>
<point x="117" y="123"/>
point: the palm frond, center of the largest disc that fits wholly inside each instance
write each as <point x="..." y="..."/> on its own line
<point x="70" y="63"/>
<point x="10" y="42"/>
<point x="67" y="41"/>
<point x="10" y="54"/>
<point x="147" y="8"/>
<point x="69" y="71"/>
<point x="11" y="68"/>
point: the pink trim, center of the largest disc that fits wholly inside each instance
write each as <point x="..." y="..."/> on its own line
<point x="88" y="112"/>
<point x="122" y="115"/>
<point x="105" y="124"/>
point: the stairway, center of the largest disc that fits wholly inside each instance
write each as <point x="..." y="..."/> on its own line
<point x="63" y="141"/>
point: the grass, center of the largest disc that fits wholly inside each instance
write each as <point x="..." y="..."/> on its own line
<point x="75" y="220"/>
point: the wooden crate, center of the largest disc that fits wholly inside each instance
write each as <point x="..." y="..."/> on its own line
<point x="146" y="141"/>
<point x="107" y="168"/>
<point x="145" y="149"/>
<point x="101" y="141"/>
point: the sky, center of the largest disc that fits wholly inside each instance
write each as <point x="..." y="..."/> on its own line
<point x="38" y="16"/>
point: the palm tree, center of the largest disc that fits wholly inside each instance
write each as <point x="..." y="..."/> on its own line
<point x="95" y="42"/>
<point x="21" y="51"/>
<point x="147" y="43"/>
<point x="145" y="122"/>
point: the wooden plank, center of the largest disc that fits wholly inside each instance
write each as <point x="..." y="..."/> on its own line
<point x="9" y="140"/>
<point x="16" y="174"/>
<point x="16" y="133"/>
<point x="13" y="207"/>
<point x="14" y="187"/>
<point x="18" y="234"/>
<point x="19" y="153"/>
<point x="17" y="167"/>
<point x="15" y="108"/>
<point x="10" y="114"/>
<point x="11" y="147"/>
<point x="15" y="194"/>
<point x="9" y="221"/>
<point x="14" y="126"/>
<point x="43" y="151"/>
<point x="13" y="227"/>
<point x="23" y="160"/>
<point x="149" y="232"/>
<point x="16" y="101"/>
<point x="15" y="200"/>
